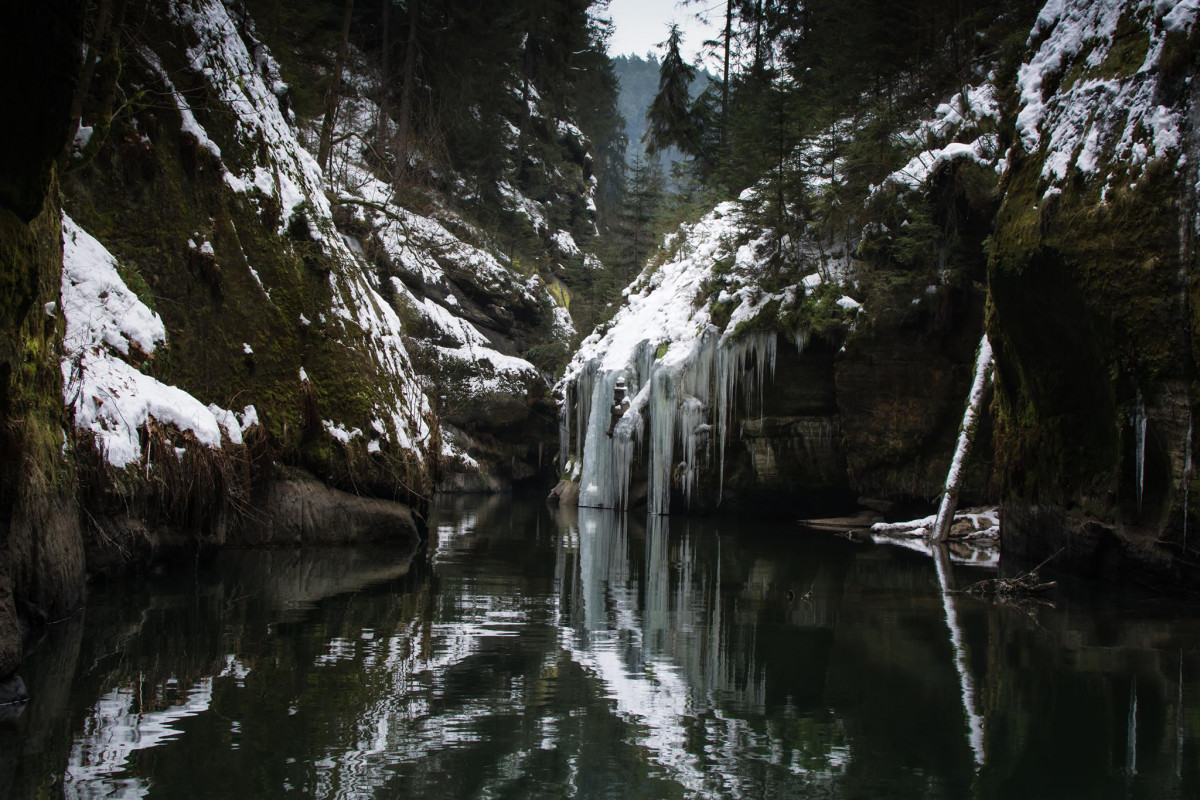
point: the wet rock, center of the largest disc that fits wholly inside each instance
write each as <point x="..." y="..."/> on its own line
<point x="13" y="696"/>
<point x="876" y="504"/>
<point x="300" y="509"/>
<point x="565" y="493"/>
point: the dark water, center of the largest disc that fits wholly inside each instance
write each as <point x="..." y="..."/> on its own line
<point x="525" y="654"/>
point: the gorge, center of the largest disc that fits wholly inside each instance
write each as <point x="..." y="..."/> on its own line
<point x="276" y="274"/>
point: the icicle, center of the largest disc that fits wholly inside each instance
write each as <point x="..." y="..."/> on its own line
<point x="564" y="428"/>
<point x="755" y="352"/>
<point x="595" y="483"/>
<point x="662" y="440"/>
<point x="583" y="406"/>
<point x="1179" y="712"/>
<point x="800" y="340"/>
<point x="691" y="423"/>
<point x="607" y="460"/>
<point x="983" y="371"/>
<point x="623" y="450"/>
<point x="1139" y="443"/>
<point x="679" y="401"/>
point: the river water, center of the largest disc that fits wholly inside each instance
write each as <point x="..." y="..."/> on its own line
<point x="528" y="653"/>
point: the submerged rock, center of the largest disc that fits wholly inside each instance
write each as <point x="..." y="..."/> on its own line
<point x="565" y="494"/>
<point x="300" y="509"/>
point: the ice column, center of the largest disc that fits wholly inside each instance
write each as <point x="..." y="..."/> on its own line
<point x="756" y="352"/>
<point x="685" y="401"/>
<point x="564" y="427"/>
<point x="1139" y="443"/>
<point x="1187" y="476"/>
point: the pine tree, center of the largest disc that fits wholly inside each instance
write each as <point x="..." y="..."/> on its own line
<point x="670" y="120"/>
<point x="637" y="229"/>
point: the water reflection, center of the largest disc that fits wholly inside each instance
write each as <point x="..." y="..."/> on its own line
<point x="524" y="654"/>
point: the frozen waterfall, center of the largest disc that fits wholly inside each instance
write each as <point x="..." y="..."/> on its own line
<point x="682" y="399"/>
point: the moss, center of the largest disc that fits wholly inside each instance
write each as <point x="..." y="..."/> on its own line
<point x="1127" y="53"/>
<point x="211" y="307"/>
<point x="767" y="318"/>
<point x="31" y="410"/>
<point x="1180" y="55"/>
<point x="818" y="313"/>
<point x="559" y="291"/>
<point x="1083" y="313"/>
<point x="720" y="311"/>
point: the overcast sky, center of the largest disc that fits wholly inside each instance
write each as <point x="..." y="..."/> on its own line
<point x="642" y="24"/>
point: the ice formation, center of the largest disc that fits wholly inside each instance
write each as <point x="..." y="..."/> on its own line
<point x="686" y="377"/>
<point x="1139" y="447"/>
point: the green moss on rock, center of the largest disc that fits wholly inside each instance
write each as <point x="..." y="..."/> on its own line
<point x="1084" y="313"/>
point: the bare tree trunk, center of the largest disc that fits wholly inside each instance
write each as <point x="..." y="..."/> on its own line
<point x="404" y="134"/>
<point x="725" y="74"/>
<point x="333" y="95"/>
<point x="95" y="43"/>
<point x="758" y="49"/>
<point x="385" y="77"/>
<point x="103" y="62"/>
<point x="966" y="436"/>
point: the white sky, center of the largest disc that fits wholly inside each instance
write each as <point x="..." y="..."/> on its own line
<point x="641" y="24"/>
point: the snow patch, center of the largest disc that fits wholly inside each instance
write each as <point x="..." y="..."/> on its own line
<point x="108" y="395"/>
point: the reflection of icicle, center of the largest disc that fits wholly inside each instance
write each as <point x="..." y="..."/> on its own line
<point x="1179" y="723"/>
<point x="983" y="372"/>
<point x="1187" y="476"/>
<point x="1139" y="443"/>
<point x="941" y="558"/>
<point x="116" y="729"/>
<point x="658" y="578"/>
<point x="1131" y="733"/>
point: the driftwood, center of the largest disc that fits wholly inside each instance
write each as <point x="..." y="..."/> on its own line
<point x="1027" y="585"/>
<point x="966" y="436"/>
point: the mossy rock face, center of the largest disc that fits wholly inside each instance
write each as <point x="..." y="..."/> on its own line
<point x="153" y="196"/>
<point x="41" y="550"/>
<point x="906" y="367"/>
<point x="1087" y="314"/>
<point x="41" y="554"/>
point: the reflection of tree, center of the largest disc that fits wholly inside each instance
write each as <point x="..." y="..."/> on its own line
<point x="530" y="655"/>
<point x="975" y="732"/>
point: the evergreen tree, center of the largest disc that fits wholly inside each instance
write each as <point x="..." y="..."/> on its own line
<point x="670" y="120"/>
<point x="636" y="232"/>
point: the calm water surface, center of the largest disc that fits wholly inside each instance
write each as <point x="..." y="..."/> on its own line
<point x="524" y="653"/>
